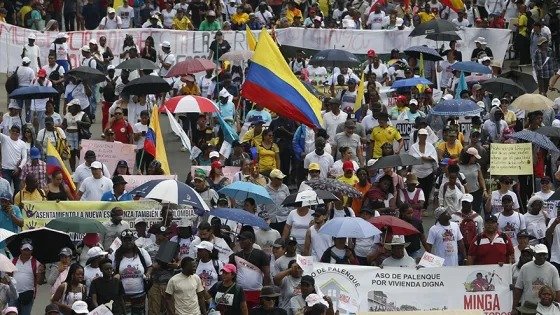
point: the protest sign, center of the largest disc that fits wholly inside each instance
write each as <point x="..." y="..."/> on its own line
<point x="38" y="214"/>
<point x="133" y="181"/>
<point x="195" y="44"/>
<point x="305" y="263"/>
<point x="511" y="159"/>
<point x="464" y="288"/>
<point x="229" y="171"/>
<point x="429" y="260"/>
<point x="405" y="128"/>
<point x="110" y="153"/>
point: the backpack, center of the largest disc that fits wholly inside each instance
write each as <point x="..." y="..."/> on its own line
<point x="12" y="82"/>
<point x="468" y="228"/>
<point x="55" y="75"/>
<point x="109" y="89"/>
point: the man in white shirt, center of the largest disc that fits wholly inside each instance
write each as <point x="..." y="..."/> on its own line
<point x="88" y="60"/>
<point x="185" y="290"/>
<point x="320" y="157"/>
<point x="126" y="13"/>
<point x="461" y="20"/>
<point x="39" y="106"/>
<point x="33" y="52"/>
<point x="112" y="21"/>
<point x="25" y="75"/>
<point x="445" y="239"/>
<point x="93" y="187"/>
<point x="167" y="59"/>
<point x="14" y="156"/>
<point x="28" y="273"/>
<point x="333" y="118"/>
<point x="375" y="18"/>
<point x="494" y="7"/>
<point x="399" y="257"/>
<point x="83" y="170"/>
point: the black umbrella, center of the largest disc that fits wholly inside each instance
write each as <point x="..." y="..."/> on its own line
<point x="148" y="84"/>
<point x="396" y="160"/>
<point x="46" y="242"/>
<point x="33" y="92"/>
<point x="334" y="57"/>
<point x="87" y="74"/>
<point x="427" y="52"/>
<point x="525" y="80"/>
<point x="555" y="196"/>
<point x="309" y="198"/>
<point x="444" y="36"/>
<point x="311" y="88"/>
<point x="137" y="63"/>
<point x="549" y="131"/>
<point x="434" y="26"/>
<point x="500" y="86"/>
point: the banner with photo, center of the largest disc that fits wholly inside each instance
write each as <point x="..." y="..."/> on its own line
<point x="403" y="289"/>
<point x="405" y="129"/>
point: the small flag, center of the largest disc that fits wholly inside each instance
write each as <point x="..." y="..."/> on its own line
<point x="461" y="86"/>
<point x="251" y="41"/>
<point x="154" y="144"/>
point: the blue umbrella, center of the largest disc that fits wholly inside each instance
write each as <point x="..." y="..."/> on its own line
<point x="240" y="190"/>
<point x="403" y="83"/>
<point x="349" y="227"/>
<point x="170" y="191"/>
<point x="536" y="138"/>
<point x="33" y="92"/>
<point x="456" y="108"/>
<point x="471" y="66"/>
<point x="240" y="216"/>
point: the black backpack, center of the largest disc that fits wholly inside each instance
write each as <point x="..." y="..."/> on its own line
<point x="12" y="82"/>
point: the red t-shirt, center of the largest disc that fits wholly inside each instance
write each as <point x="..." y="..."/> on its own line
<point x="123" y="130"/>
<point x="488" y="252"/>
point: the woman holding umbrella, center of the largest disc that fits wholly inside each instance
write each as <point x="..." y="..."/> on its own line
<point x="426" y="171"/>
<point x="74" y="121"/>
<point x="71" y="290"/>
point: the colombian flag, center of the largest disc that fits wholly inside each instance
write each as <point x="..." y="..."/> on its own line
<point x="455" y="5"/>
<point x="154" y="144"/>
<point x="271" y="83"/>
<point x="251" y="41"/>
<point x="54" y="162"/>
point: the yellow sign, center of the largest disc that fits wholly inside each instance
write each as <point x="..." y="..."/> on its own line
<point x="511" y="159"/>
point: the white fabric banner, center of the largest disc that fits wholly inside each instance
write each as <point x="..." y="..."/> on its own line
<point x="190" y="44"/>
<point x="404" y="289"/>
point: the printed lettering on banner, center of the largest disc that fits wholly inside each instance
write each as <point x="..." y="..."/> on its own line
<point x="374" y="289"/>
<point x="110" y="153"/>
<point x="306" y="263"/>
<point x="511" y="159"/>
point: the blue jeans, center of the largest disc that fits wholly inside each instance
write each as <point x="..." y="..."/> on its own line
<point x="9" y="176"/>
<point x="24" y="309"/>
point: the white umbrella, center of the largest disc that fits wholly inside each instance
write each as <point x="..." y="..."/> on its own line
<point x="4" y="234"/>
<point x="349" y="227"/>
<point x="6" y="265"/>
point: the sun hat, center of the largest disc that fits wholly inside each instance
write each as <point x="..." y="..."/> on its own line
<point x="397" y="240"/>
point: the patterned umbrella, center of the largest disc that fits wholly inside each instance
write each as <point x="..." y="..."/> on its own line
<point x="456" y="108"/>
<point x="190" y="66"/>
<point x="535" y="138"/>
<point x="427" y="53"/>
<point x="334" y="186"/>
<point x="170" y="191"/>
<point x="189" y="104"/>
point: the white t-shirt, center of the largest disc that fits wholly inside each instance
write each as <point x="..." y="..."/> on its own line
<point x="299" y="225"/>
<point x="40" y="104"/>
<point x="93" y="188"/>
<point x="51" y="69"/>
<point x="375" y="20"/>
<point x="61" y="50"/>
<point x="110" y="24"/>
<point x="83" y="171"/>
<point x="555" y="248"/>
<point x="550" y="207"/>
<point x="14" y="153"/>
<point x="184" y="246"/>
<point x="341" y="213"/>
<point x="32" y="52"/>
<point x="444" y="242"/>
<point x="325" y="162"/>
<point x="168" y="17"/>
<point x="265" y="239"/>
<point x="44" y="136"/>
<point x="463" y="23"/>
<point x="25" y="76"/>
<point x="126" y="14"/>
<point x="207" y="272"/>
<point x="132" y="272"/>
<point x="405" y="262"/>
<point x="24" y="276"/>
<point x="536" y="224"/>
<point x="319" y="243"/>
<point x="167" y="58"/>
<point x="219" y="244"/>
<point x="380" y="71"/>
<point x="331" y="121"/>
<point x="477" y="220"/>
<point x="91" y="274"/>
<point x="184" y="290"/>
<point x="511" y="225"/>
<point x="446" y="72"/>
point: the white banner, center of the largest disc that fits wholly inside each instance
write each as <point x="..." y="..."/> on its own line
<point x="403" y="289"/>
<point x="190" y="44"/>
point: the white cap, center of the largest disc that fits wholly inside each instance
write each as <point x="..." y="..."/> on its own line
<point x="166" y="44"/>
<point x="85" y="48"/>
<point x="370" y="162"/>
<point x="422" y="131"/>
<point x="95" y="252"/>
<point x="32" y="36"/>
<point x="93" y="41"/>
<point x="224" y="93"/>
<point x="556" y="123"/>
<point x="74" y="101"/>
<point x="214" y="154"/>
<point x="480" y="40"/>
<point x="205" y="245"/>
<point x="61" y="35"/>
<point x="110" y="67"/>
<point x="467" y="198"/>
<point x="96" y="164"/>
<point x="483" y="59"/>
<point x="448" y="97"/>
<point x="474" y="152"/>
<point x="413" y="101"/>
<point x="495" y="102"/>
<point x="140" y="220"/>
<point x="110" y="10"/>
<point x="25" y="60"/>
<point x="80" y="307"/>
<point x="540" y="249"/>
<point x="481" y="104"/>
<point x="211" y="13"/>
<point x="27" y="246"/>
<point x="184" y="222"/>
<point x="13" y="104"/>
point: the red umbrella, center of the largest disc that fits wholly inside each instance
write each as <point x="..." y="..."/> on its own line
<point x="397" y="226"/>
<point x="190" y="66"/>
<point x="189" y="104"/>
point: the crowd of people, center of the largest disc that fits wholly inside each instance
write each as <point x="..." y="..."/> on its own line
<point x="233" y="269"/>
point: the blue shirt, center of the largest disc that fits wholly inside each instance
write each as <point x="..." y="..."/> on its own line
<point x="7" y="223"/>
<point x="227" y="110"/>
<point x="110" y="196"/>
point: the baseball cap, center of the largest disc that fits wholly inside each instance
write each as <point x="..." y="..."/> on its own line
<point x="184" y="222"/>
<point x="26" y="246"/>
<point x="214" y="154"/>
<point x="10" y="309"/>
<point x="96" y="164"/>
<point x="276" y="173"/>
<point x="413" y="101"/>
<point x="246" y="235"/>
<point x="95" y="252"/>
<point x="200" y="174"/>
<point x="85" y="48"/>
<point x="110" y="67"/>
<point x="35" y="153"/>
<point x="216" y="164"/>
<point x="229" y="268"/>
<point x="541" y="41"/>
<point x="61" y="35"/>
<point x="467" y="198"/>
<point x="279" y="242"/>
<point x="347" y="166"/>
<point x="496" y="102"/>
<point x="211" y="13"/>
<point x="166" y="44"/>
<point x="205" y="245"/>
<point x="93" y="41"/>
<point x="422" y="131"/>
<point x="25" y="60"/>
<point x="140" y="220"/>
<point x="351" y="81"/>
<point x="42" y="73"/>
<point x="314" y="167"/>
<point x="371" y="53"/>
<point x="6" y="195"/>
<point x="52" y="308"/>
<point x="491" y="218"/>
<point x="474" y="152"/>
<point x="80" y="307"/>
<point x="32" y="36"/>
<point x="308" y="279"/>
<point x="370" y="162"/>
<point x="110" y="10"/>
<point x="65" y="252"/>
<point x="439" y="211"/>
<point x="291" y="239"/>
<point x="540" y="249"/>
<point x="320" y="211"/>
